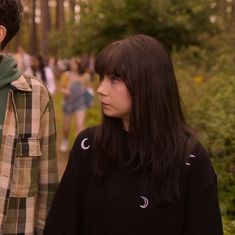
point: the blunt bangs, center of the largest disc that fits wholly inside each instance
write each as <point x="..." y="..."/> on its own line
<point x="111" y="60"/>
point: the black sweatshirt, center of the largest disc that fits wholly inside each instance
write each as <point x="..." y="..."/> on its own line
<point x="116" y="205"/>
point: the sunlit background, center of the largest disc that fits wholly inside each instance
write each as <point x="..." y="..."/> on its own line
<point x="200" y="36"/>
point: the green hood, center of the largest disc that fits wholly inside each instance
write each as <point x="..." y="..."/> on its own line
<point x="8" y="70"/>
<point x="8" y="73"/>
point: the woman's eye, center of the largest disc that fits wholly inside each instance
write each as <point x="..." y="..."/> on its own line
<point x="114" y="79"/>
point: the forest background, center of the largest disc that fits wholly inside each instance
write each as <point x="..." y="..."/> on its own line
<point x="199" y="34"/>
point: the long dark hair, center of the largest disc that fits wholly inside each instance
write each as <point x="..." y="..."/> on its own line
<point x="158" y="138"/>
<point x="40" y="69"/>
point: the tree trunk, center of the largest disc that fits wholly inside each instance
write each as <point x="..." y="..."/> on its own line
<point x="59" y="15"/>
<point x="33" y="33"/>
<point x="45" y="27"/>
<point x="233" y="12"/>
<point x="72" y="10"/>
<point x="222" y="13"/>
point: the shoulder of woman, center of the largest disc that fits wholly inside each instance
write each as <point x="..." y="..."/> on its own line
<point x="198" y="157"/>
<point x="199" y="169"/>
<point x="85" y="139"/>
<point x="86" y="133"/>
<point x="82" y="147"/>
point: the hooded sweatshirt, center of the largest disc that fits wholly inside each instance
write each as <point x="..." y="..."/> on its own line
<point x="8" y="73"/>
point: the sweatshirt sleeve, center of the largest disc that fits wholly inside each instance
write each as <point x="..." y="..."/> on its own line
<point x="64" y="216"/>
<point x="202" y="212"/>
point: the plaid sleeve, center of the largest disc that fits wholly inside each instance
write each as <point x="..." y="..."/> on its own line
<point x="48" y="176"/>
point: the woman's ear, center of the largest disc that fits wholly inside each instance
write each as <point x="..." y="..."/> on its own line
<point x="3" y="33"/>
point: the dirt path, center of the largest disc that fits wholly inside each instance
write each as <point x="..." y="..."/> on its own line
<point x="62" y="161"/>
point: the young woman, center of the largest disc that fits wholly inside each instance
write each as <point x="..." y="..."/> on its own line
<point x="43" y="72"/>
<point x="74" y="90"/>
<point x="142" y="171"/>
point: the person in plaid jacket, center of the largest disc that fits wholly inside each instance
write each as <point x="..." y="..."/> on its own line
<point x="28" y="163"/>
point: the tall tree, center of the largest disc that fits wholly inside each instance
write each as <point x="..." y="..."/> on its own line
<point x="59" y="15"/>
<point x="233" y="12"/>
<point x="45" y="27"/>
<point x="72" y="10"/>
<point x="176" y="23"/>
<point x="33" y="33"/>
<point x="222" y="13"/>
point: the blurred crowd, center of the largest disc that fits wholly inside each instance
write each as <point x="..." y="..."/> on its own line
<point x="72" y="77"/>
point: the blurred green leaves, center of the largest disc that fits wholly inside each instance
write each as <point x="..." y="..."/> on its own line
<point x="207" y="82"/>
<point x="176" y="23"/>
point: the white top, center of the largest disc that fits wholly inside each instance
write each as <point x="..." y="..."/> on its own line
<point x="50" y="78"/>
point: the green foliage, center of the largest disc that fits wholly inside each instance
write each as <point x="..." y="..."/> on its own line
<point x="207" y="82"/>
<point x="63" y="44"/>
<point x="176" y="24"/>
<point x="229" y="226"/>
<point x="94" y="113"/>
<point x="212" y="100"/>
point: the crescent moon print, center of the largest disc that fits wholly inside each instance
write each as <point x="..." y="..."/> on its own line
<point x="187" y="163"/>
<point x="83" y="146"/>
<point x="192" y="156"/>
<point x="146" y="202"/>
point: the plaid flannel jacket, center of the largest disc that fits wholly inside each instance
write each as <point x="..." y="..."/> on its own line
<point x="28" y="164"/>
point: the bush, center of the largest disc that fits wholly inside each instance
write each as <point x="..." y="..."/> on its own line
<point x="207" y="83"/>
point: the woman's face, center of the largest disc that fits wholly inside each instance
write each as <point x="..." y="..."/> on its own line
<point x="73" y="65"/>
<point x="115" y="98"/>
<point x="34" y="62"/>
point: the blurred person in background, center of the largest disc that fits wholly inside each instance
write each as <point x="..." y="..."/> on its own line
<point x="77" y="98"/>
<point x="142" y="171"/>
<point x="28" y="163"/>
<point x="23" y="59"/>
<point x="43" y="72"/>
<point x="53" y="65"/>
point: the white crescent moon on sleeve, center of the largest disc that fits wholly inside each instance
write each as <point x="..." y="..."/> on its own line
<point x="146" y="202"/>
<point x="190" y="156"/>
<point x="83" y="146"/>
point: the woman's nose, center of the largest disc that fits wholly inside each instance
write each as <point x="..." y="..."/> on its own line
<point x="101" y="89"/>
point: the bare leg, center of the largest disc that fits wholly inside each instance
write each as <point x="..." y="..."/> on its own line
<point x="66" y="127"/>
<point x="80" y="119"/>
<point x="67" y="120"/>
